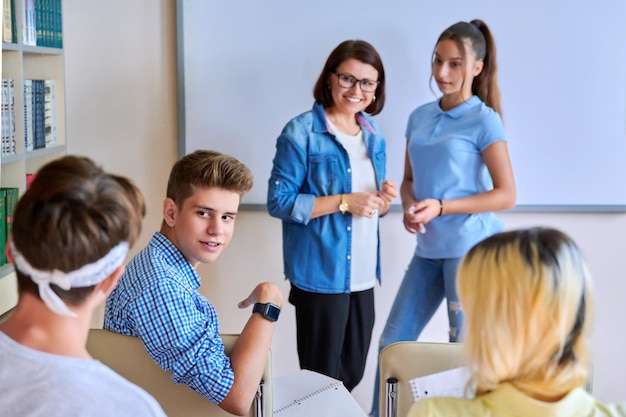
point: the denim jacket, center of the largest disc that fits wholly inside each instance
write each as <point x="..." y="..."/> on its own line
<point x="310" y="162"/>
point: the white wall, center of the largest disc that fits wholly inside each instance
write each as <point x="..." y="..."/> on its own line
<point x="121" y="111"/>
<point x="120" y="59"/>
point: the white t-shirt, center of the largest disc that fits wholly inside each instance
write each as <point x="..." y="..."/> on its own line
<point x="39" y="384"/>
<point x="364" y="230"/>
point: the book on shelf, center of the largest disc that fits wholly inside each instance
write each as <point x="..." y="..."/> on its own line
<point x="40" y="16"/>
<point x="11" y="127"/>
<point x="42" y="23"/>
<point x="5" y="118"/>
<point x="29" y="34"/>
<point x="29" y="179"/>
<point x="13" y="22"/>
<point x="50" y="125"/>
<point x="28" y="115"/>
<point x="8" y="117"/>
<point x="12" y="194"/>
<point x="39" y="115"/>
<point x="7" y="24"/>
<point x="9" y="195"/>
<point x="58" y="23"/>
<point x="3" y="125"/>
<point x="3" y="228"/>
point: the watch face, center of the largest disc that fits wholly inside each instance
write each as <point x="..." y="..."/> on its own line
<point x="343" y="207"/>
<point x="268" y="310"/>
<point x="272" y="312"/>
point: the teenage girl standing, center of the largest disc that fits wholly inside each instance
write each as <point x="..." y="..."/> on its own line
<point x="457" y="173"/>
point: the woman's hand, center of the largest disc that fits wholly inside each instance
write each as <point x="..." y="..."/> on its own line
<point x="388" y="193"/>
<point x="364" y="204"/>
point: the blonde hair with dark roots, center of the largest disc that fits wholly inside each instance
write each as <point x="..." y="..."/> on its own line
<point x="528" y="302"/>
<point x="205" y="168"/>
<point x="73" y="214"/>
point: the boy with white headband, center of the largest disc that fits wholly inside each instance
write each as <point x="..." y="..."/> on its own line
<point x="157" y="298"/>
<point x="71" y="232"/>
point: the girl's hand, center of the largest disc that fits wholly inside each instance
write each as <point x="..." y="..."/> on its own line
<point x="420" y="213"/>
<point x="425" y="210"/>
<point x="410" y="224"/>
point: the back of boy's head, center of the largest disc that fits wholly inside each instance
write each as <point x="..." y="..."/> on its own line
<point x="205" y="168"/>
<point x="72" y="215"/>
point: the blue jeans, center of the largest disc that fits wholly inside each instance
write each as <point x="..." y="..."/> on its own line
<point x="425" y="284"/>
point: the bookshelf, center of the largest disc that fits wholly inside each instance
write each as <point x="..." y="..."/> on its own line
<point x="34" y="23"/>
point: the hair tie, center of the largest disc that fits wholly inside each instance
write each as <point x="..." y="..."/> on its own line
<point x="85" y="276"/>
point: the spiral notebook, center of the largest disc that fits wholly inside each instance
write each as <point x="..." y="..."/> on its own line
<point x="450" y="383"/>
<point x="305" y="393"/>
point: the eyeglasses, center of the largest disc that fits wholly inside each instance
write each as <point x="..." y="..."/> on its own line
<point x="348" y="81"/>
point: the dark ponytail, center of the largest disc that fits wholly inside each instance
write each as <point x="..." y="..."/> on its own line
<point x="485" y="84"/>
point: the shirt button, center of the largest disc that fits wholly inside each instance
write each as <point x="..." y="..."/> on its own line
<point x="276" y="182"/>
<point x="348" y="257"/>
<point x="349" y="228"/>
<point x="349" y="170"/>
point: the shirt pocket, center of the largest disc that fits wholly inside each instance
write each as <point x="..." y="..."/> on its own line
<point x="324" y="174"/>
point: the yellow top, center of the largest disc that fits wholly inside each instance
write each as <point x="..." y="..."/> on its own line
<point x="507" y="401"/>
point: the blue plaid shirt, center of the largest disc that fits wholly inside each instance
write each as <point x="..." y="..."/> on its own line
<point x="157" y="300"/>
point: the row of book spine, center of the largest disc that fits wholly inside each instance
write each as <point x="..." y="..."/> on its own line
<point x="41" y="22"/>
<point x="8" y="117"/>
<point x="39" y="115"/>
<point x="8" y="201"/>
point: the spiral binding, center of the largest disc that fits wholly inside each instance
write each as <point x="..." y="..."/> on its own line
<point x="334" y="385"/>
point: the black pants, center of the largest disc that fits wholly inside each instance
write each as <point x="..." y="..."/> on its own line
<point x="334" y="332"/>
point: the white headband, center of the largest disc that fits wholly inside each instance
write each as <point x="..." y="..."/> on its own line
<point x="85" y="276"/>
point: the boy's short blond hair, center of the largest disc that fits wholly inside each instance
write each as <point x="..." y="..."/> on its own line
<point x="204" y="168"/>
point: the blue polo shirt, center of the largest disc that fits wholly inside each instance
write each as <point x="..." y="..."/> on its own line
<point x="445" y="149"/>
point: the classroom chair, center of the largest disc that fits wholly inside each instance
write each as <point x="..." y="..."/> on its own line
<point x="127" y="356"/>
<point x="402" y="361"/>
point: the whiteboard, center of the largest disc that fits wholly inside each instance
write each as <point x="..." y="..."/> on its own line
<point x="246" y="67"/>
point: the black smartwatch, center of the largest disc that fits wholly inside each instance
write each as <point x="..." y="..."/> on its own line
<point x="268" y="310"/>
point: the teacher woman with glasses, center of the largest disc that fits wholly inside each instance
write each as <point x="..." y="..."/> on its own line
<point x="329" y="189"/>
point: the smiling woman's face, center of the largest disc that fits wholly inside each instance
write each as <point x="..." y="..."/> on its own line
<point x="352" y="100"/>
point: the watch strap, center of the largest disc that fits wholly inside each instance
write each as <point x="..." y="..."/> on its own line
<point x="270" y="311"/>
<point x="343" y="205"/>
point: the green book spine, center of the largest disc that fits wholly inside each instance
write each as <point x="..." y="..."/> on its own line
<point x="12" y="195"/>
<point x="59" y="23"/>
<point x="49" y="21"/>
<point x="13" y="23"/>
<point x="39" y="35"/>
<point x="3" y="228"/>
